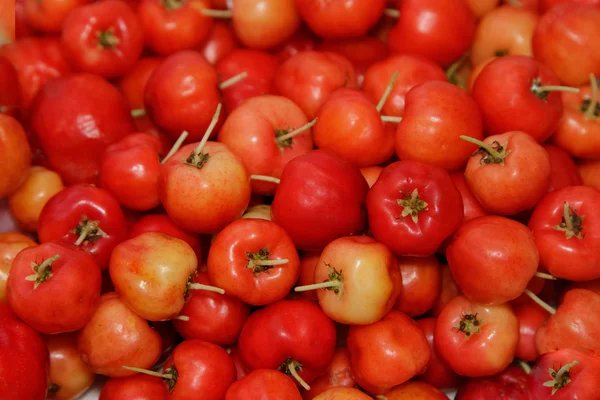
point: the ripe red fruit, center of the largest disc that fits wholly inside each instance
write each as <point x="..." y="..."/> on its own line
<point x="563" y="170"/>
<point x="263" y="384"/>
<point x="509" y="384"/>
<point x="48" y="16"/>
<point x="320" y="197"/>
<point x="15" y="153"/>
<point x="134" y="387"/>
<point x="9" y="88"/>
<point x="438" y="372"/>
<point x="531" y="317"/>
<point x="338" y="375"/>
<point x="421" y="284"/>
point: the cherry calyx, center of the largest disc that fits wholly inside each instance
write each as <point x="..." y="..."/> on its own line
<point x="542" y="91"/>
<point x="412" y="204"/>
<point x="291" y="367"/>
<point x="571" y="223"/>
<point x="469" y="324"/>
<point x="41" y="272"/>
<point x="283" y="137"/>
<point x="335" y="283"/>
<point x="88" y="231"/>
<point x="259" y="262"/>
<point x="560" y="378"/>
<point x="490" y="154"/>
<point x="107" y="39"/>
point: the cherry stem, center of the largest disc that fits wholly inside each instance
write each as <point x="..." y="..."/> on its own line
<point x="590" y="113"/>
<point x="556" y="88"/>
<point x="233" y="80"/>
<point x="386" y="92"/>
<point x="484" y="145"/>
<point x="451" y="71"/>
<point x="567" y="217"/>
<point x="545" y="276"/>
<point x="540" y="302"/>
<point x="391" y="118"/>
<point x="148" y="372"/>
<point x="266" y="178"/>
<point x="525" y="367"/>
<point x="85" y="231"/>
<point x="292" y="368"/>
<point x="381" y="397"/>
<point x="391" y="12"/>
<point x="175" y="147"/>
<point x="182" y="318"/>
<point x="295" y="132"/>
<point x="271" y="262"/>
<point x="208" y="288"/>
<point x="138" y="112"/>
<point x="208" y="132"/>
<point x="316" y="286"/>
<point x="225" y="14"/>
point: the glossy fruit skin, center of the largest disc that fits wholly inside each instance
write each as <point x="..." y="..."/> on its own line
<point x="24" y="362"/>
<point x="472" y="207"/>
<point x="531" y="316"/>
<point x="162" y="223"/>
<point x="15" y="153"/>
<point x="74" y="288"/>
<point x="207" y="199"/>
<point x="438" y="373"/>
<point x="448" y="291"/>
<point x="84" y="48"/>
<point x="415" y="390"/>
<point x="510" y="384"/>
<point x="583" y="377"/>
<point x="563" y="41"/>
<point x="114" y="325"/>
<point x="338" y="375"/>
<point x="589" y="173"/>
<point x="228" y="261"/>
<point x="250" y="132"/>
<point x="314" y="217"/>
<point x="265" y="24"/>
<point x="150" y="273"/>
<point x="578" y="131"/>
<point x="421" y="284"/>
<point x="138" y="387"/>
<point x="37" y="60"/>
<point x="436" y="29"/>
<point x="575" y="324"/>
<point x="203" y="369"/>
<point x="168" y="29"/>
<point x="129" y="170"/>
<point x="296" y="329"/>
<point x="572" y="258"/>
<point x="11" y="244"/>
<point x="342" y="393"/>
<point x="348" y="123"/>
<point x="182" y="94"/>
<point x="317" y="75"/>
<point x="264" y="384"/>
<point x="67" y="369"/>
<point x="563" y="170"/>
<point x="73" y="129"/>
<point x="221" y="41"/>
<point x="401" y="234"/>
<point x="491" y="350"/>
<point x="412" y="71"/>
<point x="517" y="185"/>
<point x="216" y="318"/>
<point x="394" y="344"/>
<point x="64" y="212"/>
<point x="334" y="20"/>
<point x="509" y="251"/>
<point x="435" y="115"/>
<point x="48" y="16"/>
<point x="10" y="91"/>
<point x="500" y="103"/>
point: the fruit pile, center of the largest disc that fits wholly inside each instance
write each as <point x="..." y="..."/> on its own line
<point x="300" y="199"/>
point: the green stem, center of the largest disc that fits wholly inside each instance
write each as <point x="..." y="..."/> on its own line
<point x="233" y="80"/>
<point x="387" y="91"/>
<point x="483" y="145"/>
<point x="295" y="132"/>
<point x="540" y="302"/>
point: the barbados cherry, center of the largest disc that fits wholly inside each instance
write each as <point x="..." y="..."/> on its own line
<point x="264" y="384"/>
<point x="338" y="375"/>
<point x="531" y="316"/>
<point x="16" y="153"/>
<point x="421" y="284"/>
<point x="11" y="243"/>
<point x="438" y="372"/>
<point x="563" y="170"/>
<point x="69" y="375"/>
<point x="138" y="386"/>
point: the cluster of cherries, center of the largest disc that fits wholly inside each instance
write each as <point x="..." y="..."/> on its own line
<point x="300" y="199"/>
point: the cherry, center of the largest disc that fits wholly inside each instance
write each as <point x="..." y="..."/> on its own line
<point x="48" y="16"/>
<point x="481" y="7"/>
<point x="415" y="389"/>
<point x="449" y="290"/>
<point x="342" y="393"/>
<point x="143" y="386"/>
<point x="16" y="153"/>
<point x="11" y="244"/>
<point x="338" y="375"/>
<point x="221" y="41"/>
<point x="438" y="372"/>
<point x="421" y="284"/>
<point x="563" y="170"/>
<point x="264" y="384"/>
<point x="589" y="171"/>
<point x="531" y="317"/>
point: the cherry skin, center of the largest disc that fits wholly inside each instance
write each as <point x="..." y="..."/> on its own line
<point x="48" y="16"/>
<point x="563" y="170"/>
<point x="472" y="207"/>
<point x="338" y="375"/>
<point x="10" y="91"/>
<point x="575" y="323"/>
<point x="509" y="174"/>
<point x="308" y="263"/>
<point x="174" y="25"/>
<point x="415" y="389"/>
<point x="435" y="115"/>
<point x="73" y="129"/>
<point x="252" y="133"/>
<point x="143" y="387"/>
<point x="309" y="77"/>
<point x="334" y="20"/>
<point x="150" y="272"/>
<point x="481" y="8"/>
<point x="438" y="372"/>
<point x="569" y="50"/>
<point x="489" y="333"/>
<point x="342" y="393"/>
<point x="102" y="38"/>
<point x="69" y="375"/>
<point x="564" y="227"/>
<point x="411" y="71"/>
<point x="448" y="291"/>
<point x="264" y="384"/>
<point x="212" y="317"/>
<point x="545" y="5"/>
<point x="421" y="284"/>
<point x="394" y="344"/>
<point x="114" y="325"/>
<point x="531" y="317"/>
<point x="345" y="264"/>
<point x="509" y="251"/>
<point x="16" y="153"/>
<point x="254" y="260"/>
<point x="221" y="41"/>
<point x="504" y="31"/>
<point x="11" y="243"/>
<point x="71" y="278"/>
<point x="510" y="384"/>
<point x="436" y="29"/>
<point x="301" y="205"/>
<point x="521" y="94"/>
<point x="589" y="172"/>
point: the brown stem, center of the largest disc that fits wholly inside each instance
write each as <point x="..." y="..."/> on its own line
<point x="292" y="365"/>
<point x="182" y="318"/>
<point x="197" y="158"/>
<point x="525" y="367"/>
